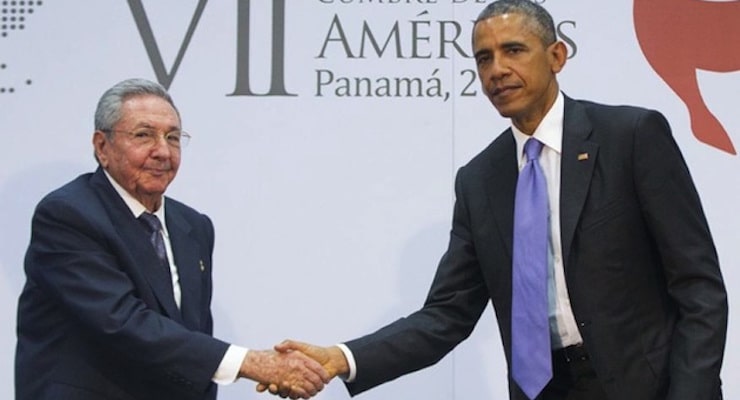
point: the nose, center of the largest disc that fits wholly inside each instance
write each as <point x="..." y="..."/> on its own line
<point x="160" y="148"/>
<point x="499" y="69"/>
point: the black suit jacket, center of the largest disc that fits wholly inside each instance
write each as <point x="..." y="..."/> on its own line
<point x="96" y="318"/>
<point x="640" y="264"/>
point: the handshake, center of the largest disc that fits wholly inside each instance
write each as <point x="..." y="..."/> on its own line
<point x="294" y="369"/>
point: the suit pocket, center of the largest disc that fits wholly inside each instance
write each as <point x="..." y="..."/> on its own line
<point x="595" y="217"/>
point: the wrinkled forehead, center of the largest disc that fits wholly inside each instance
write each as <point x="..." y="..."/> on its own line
<point x="148" y="110"/>
<point x="506" y="23"/>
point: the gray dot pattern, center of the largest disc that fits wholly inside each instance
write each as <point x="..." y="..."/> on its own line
<point x="14" y="15"/>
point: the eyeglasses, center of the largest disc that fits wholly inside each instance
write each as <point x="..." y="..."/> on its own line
<point x="148" y="137"/>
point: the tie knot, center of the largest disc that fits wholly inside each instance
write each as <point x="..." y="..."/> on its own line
<point x="151" y="221"/>
<point x="532" y="149"/>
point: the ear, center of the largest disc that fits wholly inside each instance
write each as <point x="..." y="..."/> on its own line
<point x="100" y="145"/>
<point x="558" y="53"/>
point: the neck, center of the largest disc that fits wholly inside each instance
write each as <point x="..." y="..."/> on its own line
<point x="152" y="203"/>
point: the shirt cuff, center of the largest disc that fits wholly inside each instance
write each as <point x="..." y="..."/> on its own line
<point x="350" y="362"/>
<point x="228" y="369"/>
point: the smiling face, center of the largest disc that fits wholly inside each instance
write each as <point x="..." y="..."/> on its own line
<point x="144" y="171"/>
<point x="517" y="70"/>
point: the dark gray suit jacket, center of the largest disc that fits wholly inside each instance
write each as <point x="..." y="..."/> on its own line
<point x="97" y="319"/>
<point x="640" y="264"/>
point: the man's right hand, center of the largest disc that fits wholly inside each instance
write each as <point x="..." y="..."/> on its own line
<point x="331" y="359"/>
<point x="292" y="373"/>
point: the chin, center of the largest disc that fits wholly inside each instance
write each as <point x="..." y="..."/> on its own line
<point x="506" y="113"/>
<point x="504" y="109"/>
<point x="154" y="188"/>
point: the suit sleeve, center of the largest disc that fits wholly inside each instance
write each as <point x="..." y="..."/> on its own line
<point x="453" y="306"/>
<point x="674" y="214"/>
<point x="72" y="259"/>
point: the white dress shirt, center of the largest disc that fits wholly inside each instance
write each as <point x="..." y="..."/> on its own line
<point x="231" y="363"/>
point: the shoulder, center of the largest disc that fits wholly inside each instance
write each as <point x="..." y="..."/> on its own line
<point x="623" y="132"/>
<point x="500" y="151"/>
<point x="178" y="209"/>
<point x="183" y="209"/>
<point x="76" y="208"/>
<point x="611" y="114"/>
<point x="76" y="194"/>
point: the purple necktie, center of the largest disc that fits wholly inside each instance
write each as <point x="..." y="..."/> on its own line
<point x="531" y="362"/>
<point x="151" y="222"/>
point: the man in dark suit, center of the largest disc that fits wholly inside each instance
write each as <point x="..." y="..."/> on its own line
<point x="635" y="304"/>
<point x="116" y="308"/>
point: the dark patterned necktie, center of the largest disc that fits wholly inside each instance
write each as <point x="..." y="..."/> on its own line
<point x="155" y="236"/>
<point x="530" y="332"/>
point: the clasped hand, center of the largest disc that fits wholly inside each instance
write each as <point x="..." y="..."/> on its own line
<point x="330" y="360"/>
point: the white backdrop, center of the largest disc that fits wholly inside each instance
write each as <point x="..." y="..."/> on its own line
<point x="332" y="205"/>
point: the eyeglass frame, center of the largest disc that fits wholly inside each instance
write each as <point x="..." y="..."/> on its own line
<point x="152" y="136"/>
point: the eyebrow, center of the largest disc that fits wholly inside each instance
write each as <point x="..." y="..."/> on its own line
<point x="513" y="43"/>
<point x="481" y="52"/>
<point x="147" y="125"/>
<point x="505" y="45"/>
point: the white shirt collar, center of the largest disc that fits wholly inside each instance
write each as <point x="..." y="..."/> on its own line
<point x="135" y="205"/>
<point x="549" y="131"/>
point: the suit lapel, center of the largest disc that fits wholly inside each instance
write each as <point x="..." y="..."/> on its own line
<point x="133" y="235"/>
<point x="500" y="185"/>
<point x="577" y="167"/>
<point x="186" y="251"/>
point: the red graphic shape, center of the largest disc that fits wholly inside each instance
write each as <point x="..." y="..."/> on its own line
<point x="680" y="36"/>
